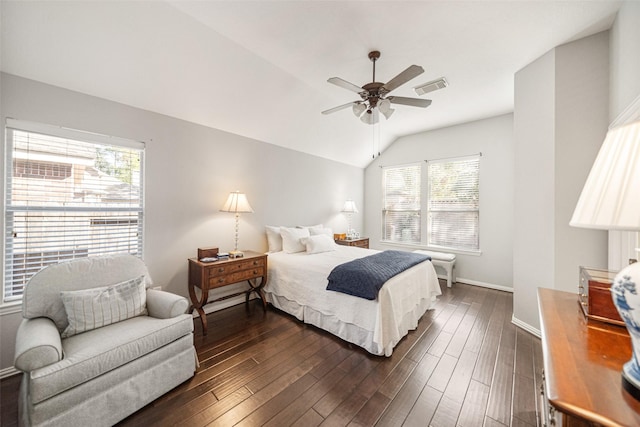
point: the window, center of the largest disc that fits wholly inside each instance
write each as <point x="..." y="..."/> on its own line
<point x="444" y="213"/>
<point x="401" y="204"/>
<point x="453" y="210"/>
<point x="69" y="194"/>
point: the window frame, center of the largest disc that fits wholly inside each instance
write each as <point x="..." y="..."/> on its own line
<point x="425" y="211"/>
<point x="135" y="210"/>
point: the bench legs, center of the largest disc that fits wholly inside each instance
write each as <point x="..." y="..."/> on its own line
<point x="448" y="267"/>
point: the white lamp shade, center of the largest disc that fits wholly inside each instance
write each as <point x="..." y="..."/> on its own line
<point x="358" y="109"/>
<point x="350" y="207"/>
<point x="610" y="199"/>
<point x="237" y="203"/>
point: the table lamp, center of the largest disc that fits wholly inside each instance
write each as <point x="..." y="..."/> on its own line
<point x="350" y="208"/>
<point x="236" y="203"/>
<point x="610" y="200"/>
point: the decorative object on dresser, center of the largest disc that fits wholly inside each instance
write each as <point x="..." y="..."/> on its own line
<point x="594" y="291"/>
<point x="362" y="242"/>
<point x="610" y="200"/>
<point x="236" y="203"/>
<point x="205" y="276"/>
<point x="350" y="208"/>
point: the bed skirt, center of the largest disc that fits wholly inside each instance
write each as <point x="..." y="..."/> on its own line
<point x="352" y="333"/>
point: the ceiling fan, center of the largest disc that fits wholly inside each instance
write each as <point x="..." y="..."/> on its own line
<point x="374" y="97"/>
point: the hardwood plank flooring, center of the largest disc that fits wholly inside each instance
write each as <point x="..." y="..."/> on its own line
<point x="465" y="365"/>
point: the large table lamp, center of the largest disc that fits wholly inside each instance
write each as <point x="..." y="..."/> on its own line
<point x="610" y="200"/>
<point x="350" y="208"/>
<point x="236" y="203"/>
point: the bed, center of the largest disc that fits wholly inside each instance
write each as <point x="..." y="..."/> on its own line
<point x="297" y="285"/>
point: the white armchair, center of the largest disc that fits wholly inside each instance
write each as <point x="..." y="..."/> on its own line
<point x="96" y="344"/>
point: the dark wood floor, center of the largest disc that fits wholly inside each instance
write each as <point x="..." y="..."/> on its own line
<point x="465" y="365"/>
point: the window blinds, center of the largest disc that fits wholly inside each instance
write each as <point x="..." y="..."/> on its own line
<point x="401" y="204"/>
<point x="453" y="203"/>
<point x="69" y="194"/>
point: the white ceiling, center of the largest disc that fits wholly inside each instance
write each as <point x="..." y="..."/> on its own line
<point x="260" y="68"/>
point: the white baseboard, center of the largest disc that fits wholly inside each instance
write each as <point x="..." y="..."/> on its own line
<point x="483" y="284"/>
<point x="527" y="327"/>
<point x="220" y="305"/>
<point x="8" y="372"/>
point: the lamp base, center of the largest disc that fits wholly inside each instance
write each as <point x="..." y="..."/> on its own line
<point x="629" y="383"/>
<point x="236" y="254"/>
<point x="626" y="298"/>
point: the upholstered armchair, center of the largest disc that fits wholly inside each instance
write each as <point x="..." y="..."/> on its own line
<point x="96" y="343"/>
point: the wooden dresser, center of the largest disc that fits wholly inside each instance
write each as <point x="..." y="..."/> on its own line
<point x="582" y="365"/>
<point x="252" y="267"/>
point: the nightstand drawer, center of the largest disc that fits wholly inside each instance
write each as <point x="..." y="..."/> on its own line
<point x="228" y="268"/>
<point x="360" y="242"/>
<point x="238" y="276"/>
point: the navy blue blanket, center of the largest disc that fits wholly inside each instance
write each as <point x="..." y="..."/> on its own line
<point x="364" y="277"/>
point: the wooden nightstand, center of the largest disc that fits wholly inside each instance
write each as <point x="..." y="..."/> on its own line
<point x="361" y="243"/>
<point x="209" y="275"/>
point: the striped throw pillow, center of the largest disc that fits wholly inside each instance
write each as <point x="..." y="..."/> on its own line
<point x="93" y="308"/>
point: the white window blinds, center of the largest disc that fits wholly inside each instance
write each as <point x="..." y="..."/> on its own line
<point x="401" y="204"/>
<point x="453" y="207"/>
<point x="69" y="194"/>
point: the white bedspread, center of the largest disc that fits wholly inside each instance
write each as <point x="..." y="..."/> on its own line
<point x="297" y="285"/>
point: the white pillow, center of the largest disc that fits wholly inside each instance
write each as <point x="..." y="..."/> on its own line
<point x="319" y="243"/>
<point x="318" y="231"/>
<point x="93" y="308"/>
<point x="274" y="239"/>
<point x="311" y="227"/>
<point x="292" y="239"/>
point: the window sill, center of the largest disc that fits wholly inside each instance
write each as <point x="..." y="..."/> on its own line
<point x="416" y="246"/>
<point x="10" y="308"/>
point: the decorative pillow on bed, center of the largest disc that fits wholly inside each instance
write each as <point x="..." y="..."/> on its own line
<point x="319" y="243"/>
<point x="89" y="309"/>
<point x="274" y="239"/>
<point x="322" y="230"/>
<point x="292" y="239"/>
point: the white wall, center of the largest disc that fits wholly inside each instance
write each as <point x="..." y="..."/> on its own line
<point x="492" y="137"/>
<point x="190" y="170"/>
<point x="624" y="88"/>
<point x="534" y="202"/>
<point x="560" y="120"/>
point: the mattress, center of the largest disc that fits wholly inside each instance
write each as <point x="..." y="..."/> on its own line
<point x="297" y="285"/>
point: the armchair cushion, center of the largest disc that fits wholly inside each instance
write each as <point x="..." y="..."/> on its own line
<point x="94" y="353"/>
<point x="37" y="344"/>
<point x="89" y="309"/>
<point x="164" y="305"/>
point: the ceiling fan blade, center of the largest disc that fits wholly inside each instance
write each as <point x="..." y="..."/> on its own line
<point x="411" y="72"/>
<point x="340" y="107"/>
<point x="345" y="84"/>
<point x="414" y="102"/>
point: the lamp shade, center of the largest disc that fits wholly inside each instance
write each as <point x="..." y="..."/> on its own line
<point x="350" y="207"/>
<point x="237" y="203"/>
<point x="610" y="199"/>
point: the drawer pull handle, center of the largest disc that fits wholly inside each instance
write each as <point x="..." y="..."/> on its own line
<point x="255" y="271"/>
<point x="220" y="280"/>
<point x="221" y="270"/>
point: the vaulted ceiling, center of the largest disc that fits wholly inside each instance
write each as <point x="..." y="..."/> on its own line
<point x="260" y="68"/>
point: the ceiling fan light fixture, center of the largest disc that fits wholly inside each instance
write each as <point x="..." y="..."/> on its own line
<point x="385" y="108"/>
<point x="358" y="109"/>
<point x="370" y="117"/>
<point x="427" y="87"/>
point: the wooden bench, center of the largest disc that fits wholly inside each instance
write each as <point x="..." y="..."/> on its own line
<point x="444" y="260"/>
